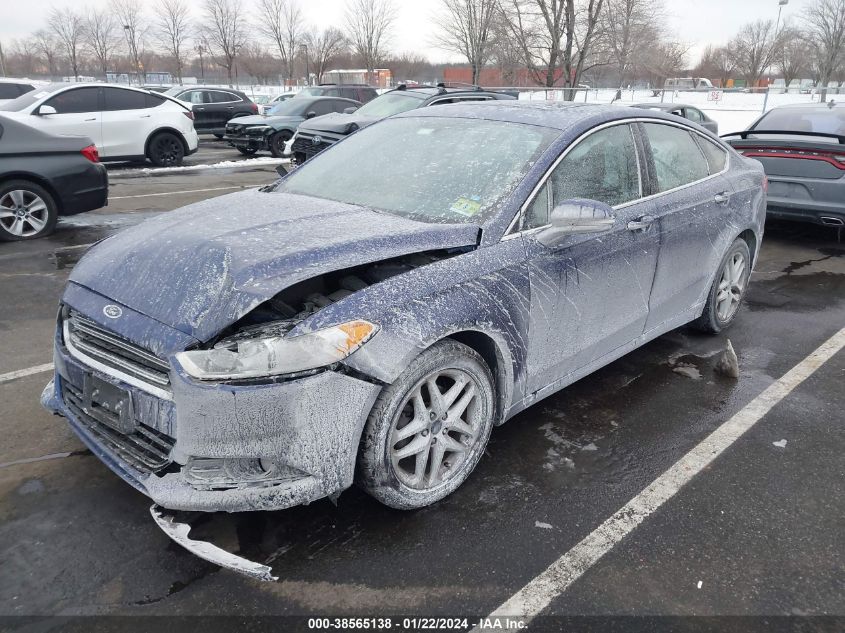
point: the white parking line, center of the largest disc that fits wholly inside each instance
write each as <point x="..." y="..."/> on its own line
<point x="174" y="193"/>
<point x="538" y="594"/>
<point x="29" y="371"/>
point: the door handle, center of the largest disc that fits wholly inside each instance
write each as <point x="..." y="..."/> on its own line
<point x="94" y="119"/>
<point x="145" y="116"/>
<point x="641" y="224"/>
<point x="722" y="198"/>
<point x="230" y="107"/>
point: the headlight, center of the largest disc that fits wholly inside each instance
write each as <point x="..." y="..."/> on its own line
<point x="275" y="355"/>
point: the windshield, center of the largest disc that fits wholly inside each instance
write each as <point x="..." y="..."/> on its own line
<point x="290" y="107"/>
<point x="316" y="91"/>
<point x="430" y="169"/>
<point x="28" y="99"/>
<point x="175" y="91"/>
<point x="825" y="120"/>
<point x="390" y="104"/>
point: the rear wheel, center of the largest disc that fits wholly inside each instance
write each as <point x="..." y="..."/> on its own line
<point x="277" y="143"/>
<point x="728" y="290"/>
<point x="27" y="211"/>
<point x="166" y="150"/>
<point x="247" y="151"/>
<point x="428" y="429"/>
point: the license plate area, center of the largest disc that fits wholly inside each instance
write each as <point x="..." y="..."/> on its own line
<point x="108" y="404"/>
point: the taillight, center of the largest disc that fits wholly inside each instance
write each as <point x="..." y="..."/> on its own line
<point x="765" y="184"/>
<point x="189" y="114"/>
<point x="833" y="158"/>
<point x="254" y="108"/>
<point x="91" y="153"/>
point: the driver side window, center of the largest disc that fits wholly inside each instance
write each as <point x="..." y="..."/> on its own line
<point x="603" y="166"/>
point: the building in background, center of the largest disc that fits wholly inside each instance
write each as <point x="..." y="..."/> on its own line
<point x="380" y="78"/>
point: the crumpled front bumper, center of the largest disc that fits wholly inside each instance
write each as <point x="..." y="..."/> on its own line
<point x="311" y="426"/>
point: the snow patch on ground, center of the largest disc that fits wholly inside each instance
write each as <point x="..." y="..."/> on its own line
<point x="226" y="164"/>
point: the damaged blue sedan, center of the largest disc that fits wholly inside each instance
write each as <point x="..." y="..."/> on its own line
<point x="371" y="316"/>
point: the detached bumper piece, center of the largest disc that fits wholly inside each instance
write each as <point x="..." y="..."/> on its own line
<point x="179" y="533"/>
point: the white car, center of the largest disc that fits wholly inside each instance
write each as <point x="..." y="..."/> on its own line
<point x="125" y="123"/>
<point x="14" y="88"/>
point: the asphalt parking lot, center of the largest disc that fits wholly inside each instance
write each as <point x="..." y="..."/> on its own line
<point x="758" y="532"/>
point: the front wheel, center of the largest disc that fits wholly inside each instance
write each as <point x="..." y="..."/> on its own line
<point x="166" y="150"/>
<point x="247" y="151"/>
<point x="27" y="211"/>
<point x="728" y="290"/>
<point x="277" y="143"/>
<point x="428" y="430"/>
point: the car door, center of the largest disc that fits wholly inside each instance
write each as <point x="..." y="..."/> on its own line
<point x="222" y="108"/>
<point x="692" y="207"/>
<point x="203" y="116"/>
<point x="590" y="294"/>
<point x="127" y="121"/>
<point x="78" y="113"/>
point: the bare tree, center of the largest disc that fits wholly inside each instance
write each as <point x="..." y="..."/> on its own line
<point x="466" y="27"/>
<point x="825" y="23"/>
<point x="792" y="54"/>
<point x="753" y="48"/>
<point x="556" y="37"/>
<point x="224" y="31"/>
<point x="367" y="26"/>
<point x="324" y="46"/>
<point x="69" y="28"/>
<point x="2" y="61"/>
<point x="130" y="14"/>
<point x="629" y="32"/>
<point x="173" y="31"/>
<point x="664" y="60"/>
<point x="505" y="52"/>
<point x="102" y="37"/>
<point x="46" y="46"/>
<point x="281" y="22"/>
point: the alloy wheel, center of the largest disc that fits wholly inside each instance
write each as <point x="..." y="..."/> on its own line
<point x="731" y="287"/>
<point x="23" y="213"/>
<point x="438" y="425"/>
<point x="168" y="150"/>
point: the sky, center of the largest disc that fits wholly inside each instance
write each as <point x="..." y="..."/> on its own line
<point x="696" y="22"/>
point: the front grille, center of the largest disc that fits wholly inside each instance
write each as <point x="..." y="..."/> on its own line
<point x="304" y="144"/>
<point x="86" y="337"/>
<point x="145" y="449"/>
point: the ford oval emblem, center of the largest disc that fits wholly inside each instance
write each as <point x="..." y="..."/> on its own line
<point x="316" y="140"/>
<point x="113" y="311"/>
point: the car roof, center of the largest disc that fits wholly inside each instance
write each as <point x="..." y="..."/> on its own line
<point x="829" y="105"/>
<point x="551" y="114"/>
<point x="663" y="106"/>
<point x="325" y="98"/>
<point x="436" y="91"/>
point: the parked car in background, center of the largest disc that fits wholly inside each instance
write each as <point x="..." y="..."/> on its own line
<point x="684" y="111"/>
<point x="126" y="124"/>
<point x="43" y="176"/>
<point x="356" y="92"/>
<point x="265" y="102"/>
<point x="271" y="131"/>
<point x="802" y="149"/>
<point x="687" y="83"/>
<point x="374" y="314"/>
<point x="214" y="107"/>
<point x="322" y="132"/>
<point x="12" y="89"/>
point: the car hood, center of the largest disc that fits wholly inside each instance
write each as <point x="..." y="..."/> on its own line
<point x="260" y="119"/>
<point x="339" y="123"/>
<point x="203" y="267"/>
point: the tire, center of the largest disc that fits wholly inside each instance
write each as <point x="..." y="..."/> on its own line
<point x="27" y="211"/>
<point x="277" y="143"/>
<point x="218" y="136"/>
<point x="247" y="151"/>
<point x="386" y="459"/>
<point x="166" y="150"/>
<point x="728" y="290"/>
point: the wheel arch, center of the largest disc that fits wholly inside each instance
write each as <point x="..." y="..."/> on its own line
<point x="750" y="238"/>
<point x="161" y="130"/>
<point x="498" y="361"/>
<point x="38" y="180"/>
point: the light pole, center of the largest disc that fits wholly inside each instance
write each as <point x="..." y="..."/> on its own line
<point x="133" y="51"/>
<point x="304" y="49"/>
<point x="200" y="50"/>
<point x="781" y="5"/>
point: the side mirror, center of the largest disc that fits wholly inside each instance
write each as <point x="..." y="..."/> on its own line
<point x="310" y="115"/>
<point x="44" y="110"/>
<point x="576" y="216"/>
<point x="350" y="109"/>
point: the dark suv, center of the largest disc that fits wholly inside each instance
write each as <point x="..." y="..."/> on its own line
<point x="317" y="134"/>
<point x="213" y="107"/>
<point x="356" y="92"/>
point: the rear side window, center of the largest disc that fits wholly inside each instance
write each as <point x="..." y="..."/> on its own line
<point x="601" y="167"/>
<point x="9" y="91"/>
<point x="223" y="97"/>
<point x="154" y="100"/>
<point x="715" y="155"/>
<point x="76" y="100"/>
<point x="677" y="158"/>
<point x="694" y="115"/>
<point x="117" y="99"/>
<point x="193" y="96"/>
